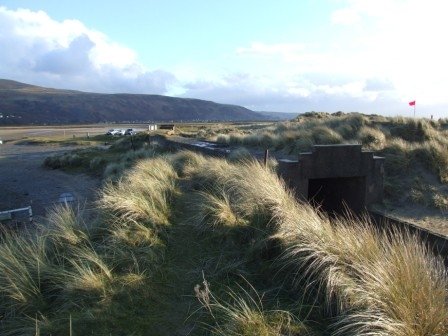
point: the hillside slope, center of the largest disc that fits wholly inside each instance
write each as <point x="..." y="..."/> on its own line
<point x="27" y="104"/>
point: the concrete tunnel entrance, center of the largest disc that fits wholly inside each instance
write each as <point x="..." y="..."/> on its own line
<point x="334" y="195"/>
<point x="336" y="177"/>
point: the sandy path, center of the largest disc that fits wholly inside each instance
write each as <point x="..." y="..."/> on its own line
<point x="24" y="182"/>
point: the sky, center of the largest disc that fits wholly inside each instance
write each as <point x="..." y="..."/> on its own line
<point x="283" y="55"/>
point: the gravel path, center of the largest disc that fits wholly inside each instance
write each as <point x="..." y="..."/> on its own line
<point x="24" y="182"/>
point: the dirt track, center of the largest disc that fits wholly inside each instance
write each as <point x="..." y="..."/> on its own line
<point x="24" y="182"/>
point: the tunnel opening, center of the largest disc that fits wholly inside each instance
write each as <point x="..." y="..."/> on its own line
<point x="335" y="195"/>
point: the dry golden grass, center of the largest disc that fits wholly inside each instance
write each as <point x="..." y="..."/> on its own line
<point x="243" y="314"/>
<point x="142" y="194"/>
<point x="186" y="162"/>
<point x="213" y="211"/>
<point x="24" y="265"/>
<point x="88" y="279"/>
<point x="360" y="272"/>
<point x="65" y="227"/>
<point x="367" y="282"/>
<point x="412" y="147"/>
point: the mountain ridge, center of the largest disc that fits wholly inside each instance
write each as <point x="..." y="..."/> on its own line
<point x="22" y="103"/>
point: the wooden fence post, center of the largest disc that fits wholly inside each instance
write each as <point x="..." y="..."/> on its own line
<point x="266" y="156"/>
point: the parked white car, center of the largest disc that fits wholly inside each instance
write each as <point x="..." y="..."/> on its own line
<point x="115" y="131"/>
<point x="130" y="131"/>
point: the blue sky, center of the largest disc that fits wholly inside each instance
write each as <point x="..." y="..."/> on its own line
<point x="290" y="56"/>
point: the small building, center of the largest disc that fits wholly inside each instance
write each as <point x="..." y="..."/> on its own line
<point x="168" y="127"/>
<point x="336" y="177"/>
<point x="152" y="127"/>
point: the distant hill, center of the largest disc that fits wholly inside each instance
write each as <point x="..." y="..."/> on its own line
<point x="28" y="104"/>
<point x="279" y="115"/>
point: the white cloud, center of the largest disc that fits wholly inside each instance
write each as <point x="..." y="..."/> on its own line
<point x="347" y="16"/>
<point x="294" y="96"/>
<point x="375" y="57"/>
<point x="67" y="61"/>
<point x="380" y="55"/>
<point x="285" y="50"/>
<point x="39" y="50"/>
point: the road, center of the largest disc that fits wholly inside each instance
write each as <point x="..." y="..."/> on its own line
<point x="24" y="182"/>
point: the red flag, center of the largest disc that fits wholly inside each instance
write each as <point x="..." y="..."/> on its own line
<point x="412" y="103"/>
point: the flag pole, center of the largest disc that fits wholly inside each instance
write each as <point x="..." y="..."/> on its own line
<point x="412" y="103"/>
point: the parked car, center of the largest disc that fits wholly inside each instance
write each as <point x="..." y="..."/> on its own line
<point x="130" y="131"/>
<point x="115" y="131"/>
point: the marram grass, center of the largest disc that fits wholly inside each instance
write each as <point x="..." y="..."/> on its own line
<point x="363" y="282"/>
<point x="370" y="281"/>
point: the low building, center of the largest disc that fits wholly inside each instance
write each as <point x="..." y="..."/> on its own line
<point x="336" y="177"/>
<point x="169" y="127"/>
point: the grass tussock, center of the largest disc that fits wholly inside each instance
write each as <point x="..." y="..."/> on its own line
<point x="360" y="273"/>
<point x="24" y="264"/>
<point x="70" y="267"/>
<point x="243" y="313"/>
<point x="109" y="162"/>
<point x="215" y="211"/>
<point x="355" y="279"/>
<point x="142" y="194"/>
<point x="372" y="138"/>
